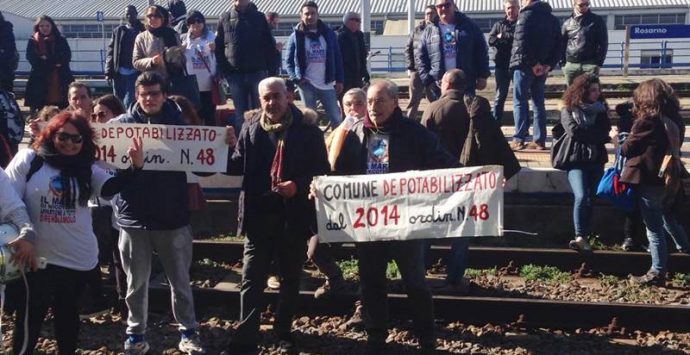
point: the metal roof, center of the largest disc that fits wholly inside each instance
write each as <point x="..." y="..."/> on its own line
<point x="114" y="9"/>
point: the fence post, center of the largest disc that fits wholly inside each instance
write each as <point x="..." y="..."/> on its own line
<point x="626" y="55"/>
<point x="662" y="60"/>
<point x="390" y="59"/>
<point x="622" y="55"/>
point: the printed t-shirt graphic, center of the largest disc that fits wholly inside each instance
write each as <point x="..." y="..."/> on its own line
<point x="450" y="48"/>
<point x="377" y="157"/>
<point x="316" y="63"/>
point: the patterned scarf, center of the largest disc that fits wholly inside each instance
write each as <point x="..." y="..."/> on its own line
<point x="281" y="130"/>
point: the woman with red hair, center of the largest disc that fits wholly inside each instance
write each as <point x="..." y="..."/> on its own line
<point x="56" y="178"/>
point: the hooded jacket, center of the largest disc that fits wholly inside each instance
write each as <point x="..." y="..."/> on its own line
<point x="472" y="52"/>
<point x="304" y="158"/>
<point x="537" y="37"/>
<point x="297" y="61"/>
<point x="244" y="43"/>
<point x="585" y="39"/>
<point x="154" y="200"/>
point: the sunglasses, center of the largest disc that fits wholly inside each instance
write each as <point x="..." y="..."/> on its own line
<point x="75" y="138"/>
<point x="356" y="19"/>
<point x="444" y="5"/>
<point x="152" y="16"/>
<point x="100" y="114"/>
<point x="584" y="4"/>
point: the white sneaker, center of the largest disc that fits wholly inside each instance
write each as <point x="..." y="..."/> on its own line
<point x="136" y="348"/>
<point x="191" y="345"/>
<point x="580" y="244"/>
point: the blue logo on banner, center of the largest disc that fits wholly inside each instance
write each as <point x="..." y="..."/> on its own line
<point x="659" y="31"/>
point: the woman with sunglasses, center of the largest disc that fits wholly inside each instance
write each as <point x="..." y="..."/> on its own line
<point x="200" y="47"/>
<point x="106" y="108"/>
<point x="150" y="45"/>
<point x="55" y="179"/>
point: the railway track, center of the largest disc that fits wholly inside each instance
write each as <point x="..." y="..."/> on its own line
<point x="617" y="263"/>
<point x="617" y="318"/>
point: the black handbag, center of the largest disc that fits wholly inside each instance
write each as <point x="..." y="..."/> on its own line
<point x="565" y="151"/>
<point x="185" y="85"/>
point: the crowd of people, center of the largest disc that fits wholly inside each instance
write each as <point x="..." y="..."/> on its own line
<point x="80" y="213"/>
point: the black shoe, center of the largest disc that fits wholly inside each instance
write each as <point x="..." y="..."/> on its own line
<point x="94" y="309"/>
<point x="651" y="278"/>
<point x="374" y="347"/>
<point x="628" y="244"/>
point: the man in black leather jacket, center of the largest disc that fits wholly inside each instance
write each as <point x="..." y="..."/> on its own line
<point x="501" y="38"/>
<point x="585" y="42"/>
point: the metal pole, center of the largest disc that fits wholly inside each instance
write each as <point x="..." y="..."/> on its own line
<point x="410" y="16"/>
<point x="366" y="28"/>
<point x="626" y="54"/>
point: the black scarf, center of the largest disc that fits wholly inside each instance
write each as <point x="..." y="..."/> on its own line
<point x="168" y="35"/>
<point x="71" y="167"/>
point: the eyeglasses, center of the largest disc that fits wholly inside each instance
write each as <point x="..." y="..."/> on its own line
<point x="152" y="16"/>
<point x="75" y="138"/>
<point x="356" y="19"/>
<point x="445" y="5"/>
<point x="584" y="4"/>
<point x="153" y="93"/>
<point x="99" y="114"/>
<point x="193" y="21"/>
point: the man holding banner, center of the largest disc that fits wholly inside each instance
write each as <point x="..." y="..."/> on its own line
<point x="279" y="154"/>
<point x="153" y="214"/>
<point x="387" y="142"/>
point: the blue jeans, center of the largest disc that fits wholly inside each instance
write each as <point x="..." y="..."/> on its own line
<point x="244" y="89"/>
<point x="123" y="88"/>
<point x="525" y="84"/>
<point x="503" y="79"/>
<point x="676" y="231"/>
<point x="328" y="98"/>
<point x="456" y="261"/>
<point x="651" y="207"/>
<point x="584" y="181"/>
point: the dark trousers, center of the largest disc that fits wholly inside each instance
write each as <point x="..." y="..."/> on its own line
<point x="207" y="112"/>
<point x="373" y="260"/>
<point x="58" y="288"/>
<point x="323" y="259"/>
<point x="503" y="78"/>
<point x="267" y="237"/>
<point x="108" y="252"/>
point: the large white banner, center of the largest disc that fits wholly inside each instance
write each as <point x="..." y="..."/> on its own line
<point x="172" y="148"/>
<point x="462" y="202"/>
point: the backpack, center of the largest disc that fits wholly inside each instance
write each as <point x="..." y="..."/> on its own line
<point x="11" y="119"/>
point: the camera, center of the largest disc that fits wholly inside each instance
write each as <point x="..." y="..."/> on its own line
<point x="10" y="271"/>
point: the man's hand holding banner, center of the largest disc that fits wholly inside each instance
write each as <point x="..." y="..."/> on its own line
<point x="465" y="202"/>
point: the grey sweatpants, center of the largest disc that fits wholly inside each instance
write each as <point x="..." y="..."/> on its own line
<point x="174" y="248"/>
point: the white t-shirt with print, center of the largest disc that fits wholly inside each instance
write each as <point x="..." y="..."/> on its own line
<point x="450" y="46"/>
<point x="195" y="66"/>
<point x="316" y="63"/>
<point x="64" y="235"/>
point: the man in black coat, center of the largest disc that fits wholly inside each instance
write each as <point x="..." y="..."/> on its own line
<point x="244" y="48"/>
<point x="417" y="89"/>
<point x="354" y="52"/>
<point x="501" y="38"/>
<point x="118" y="63"/>
<point x="585" y="42"/>
<point x="387" y="142"/>
<point x="535" y="52"/>
<point x="278" y="153"/>
<point x="9" y="57"/>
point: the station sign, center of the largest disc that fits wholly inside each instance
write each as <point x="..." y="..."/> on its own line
<point x="99" y="16"/>
<point x="659" y="31"/>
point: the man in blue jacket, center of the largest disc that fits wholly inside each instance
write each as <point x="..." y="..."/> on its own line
<point x="153" y="214"/>
<point x="454" y="41"/>
<point x="535" y="52"/>
<point x="315" y="63"/>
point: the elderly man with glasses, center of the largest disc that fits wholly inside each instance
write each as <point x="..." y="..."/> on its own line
<point x="585" y="41"/>
<point x="462" y="46"/>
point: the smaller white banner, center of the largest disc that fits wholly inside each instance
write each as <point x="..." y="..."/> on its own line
<point x="462" y="202"/>
<point x="171" y="148"/>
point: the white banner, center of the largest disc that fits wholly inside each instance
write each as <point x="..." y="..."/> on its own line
<point x="462" y="202"/>
<point x="172" y="148"/>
